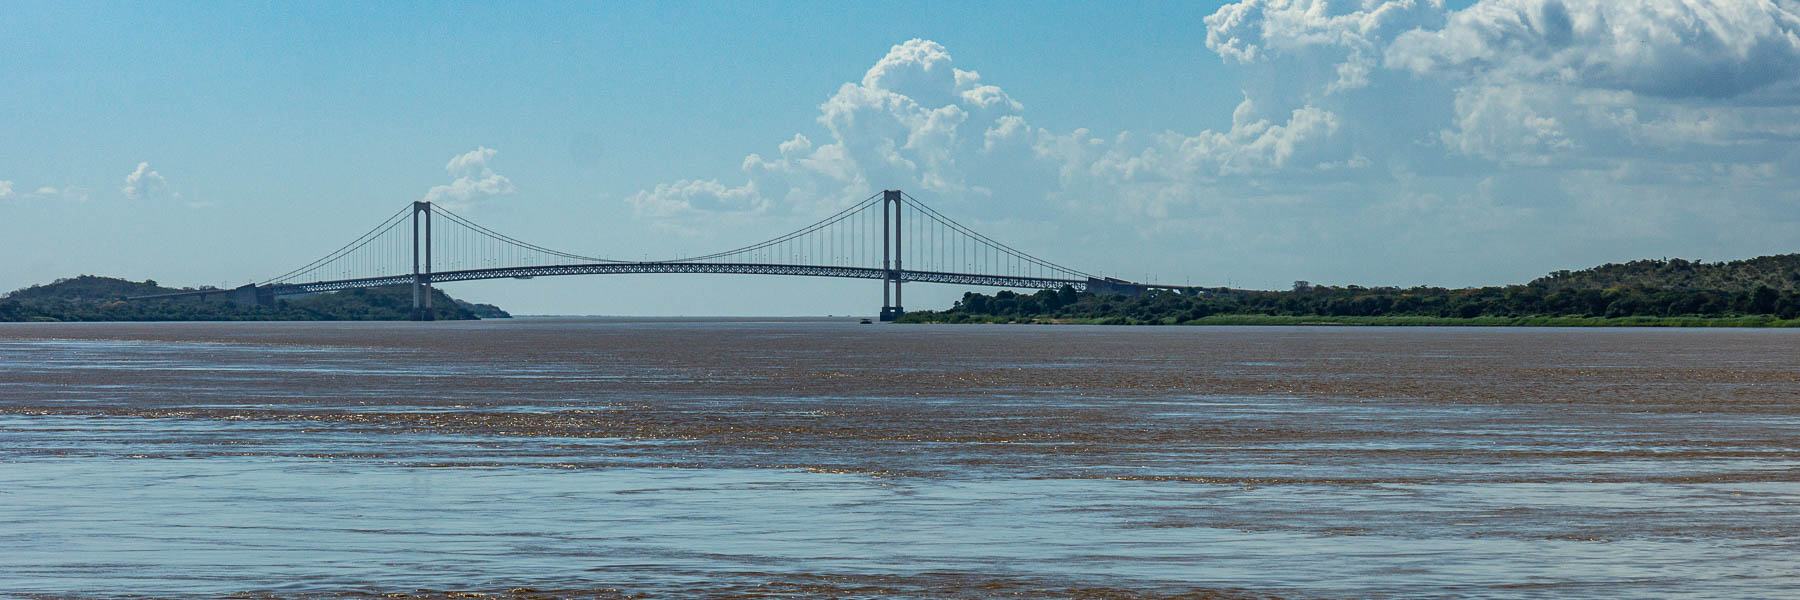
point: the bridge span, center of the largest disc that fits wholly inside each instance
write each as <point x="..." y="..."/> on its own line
<point x="875" y="239"/>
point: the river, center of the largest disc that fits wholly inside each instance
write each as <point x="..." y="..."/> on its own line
<point x="618" y="458"/>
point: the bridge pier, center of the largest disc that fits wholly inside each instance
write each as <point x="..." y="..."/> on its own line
<point x="890" y="207"/>
<point x="251" y="294"/>
<point x="421" y="283"/>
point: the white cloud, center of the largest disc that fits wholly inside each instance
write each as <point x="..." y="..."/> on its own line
<point x="1509" y="130"/>
<point x="9" y="193"/>
<point x="1259" y="30"/>
<point x="686" y="197"/>
<point x="474" y="181"/>
<point x="1525" y="81"/>
<point x="917" y="122"/>
<point x="146" y="184"/>
<point x="1571" y="83"/>
<point x="1345" y="37"/>
<point x="913" y="121"/>
<point x="1508" y="124"/>
<point x="1670" y="48"/>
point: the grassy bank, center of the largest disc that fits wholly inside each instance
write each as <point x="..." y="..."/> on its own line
<point x="1378" y="321"/>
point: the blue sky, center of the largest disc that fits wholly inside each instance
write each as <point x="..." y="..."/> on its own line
<point x="1251" y="143"/>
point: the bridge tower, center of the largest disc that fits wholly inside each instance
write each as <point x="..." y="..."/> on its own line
<point x="890" y="228"/>
<point x="421" y="283"/>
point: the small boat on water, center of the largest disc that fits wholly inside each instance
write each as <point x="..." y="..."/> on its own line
<point x="867" y="322"/>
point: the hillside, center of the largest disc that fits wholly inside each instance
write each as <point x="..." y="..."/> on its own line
<point x="1755" y="292"/>
<point x="484" y="311"/>
<point x="1781" y="272"/>
<point x="89" y="287"/>
<point x="92" y="298"/>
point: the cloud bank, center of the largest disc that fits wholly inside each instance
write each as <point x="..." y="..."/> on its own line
<point x="1511" y="131"/>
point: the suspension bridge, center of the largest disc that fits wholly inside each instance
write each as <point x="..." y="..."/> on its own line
<point x="889" y="236"/>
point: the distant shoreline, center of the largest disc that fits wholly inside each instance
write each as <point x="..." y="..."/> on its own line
<point x="1381" y="321"/>
<point x="1759" y="292"/>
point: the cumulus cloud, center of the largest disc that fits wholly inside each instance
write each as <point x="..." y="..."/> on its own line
<point x="1670" y="48"/>
<point x="1506" y="124"/>
<point x="1525" y="81"/>
<point x="1258" y="30"/>
<point x="914" y="120"/>
<point x="145" y="183"/>
<point x="473" y="180"/>
<point x="1550" y="81"/>
<point x="1362" y="121"/>
<point x="911" y="121"/>
<point x="1335" y="45"/>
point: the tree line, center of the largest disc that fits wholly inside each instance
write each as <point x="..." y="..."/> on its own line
<point x="1305" y="299"/>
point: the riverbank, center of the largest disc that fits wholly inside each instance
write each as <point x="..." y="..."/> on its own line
<point x="1544" y="302"/>
<point x="1381" y="321"/>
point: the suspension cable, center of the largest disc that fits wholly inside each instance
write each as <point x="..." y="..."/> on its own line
<point x="355" y="244"/>
<point x="998" y="246"/>
<point x="517" y="242"/>
<point x="831" y="220"/>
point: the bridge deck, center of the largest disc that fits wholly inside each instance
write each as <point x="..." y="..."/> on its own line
<point x="1012" y="281"/>
<point x="684" y="267"/>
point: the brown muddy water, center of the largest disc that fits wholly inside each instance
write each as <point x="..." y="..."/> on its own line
<point x="790" y="458"/>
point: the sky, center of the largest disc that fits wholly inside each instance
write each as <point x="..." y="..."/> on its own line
<point x="1250" y="144"/>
